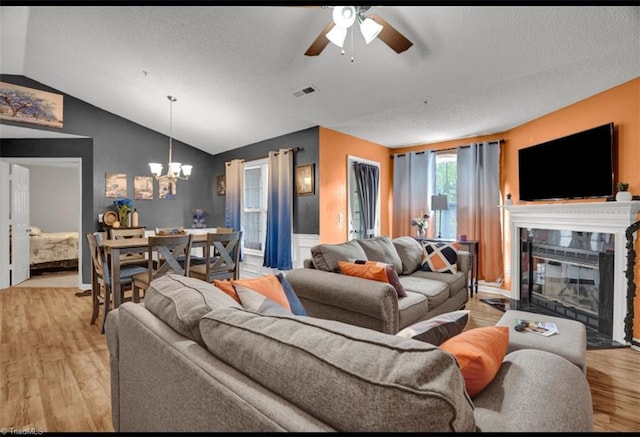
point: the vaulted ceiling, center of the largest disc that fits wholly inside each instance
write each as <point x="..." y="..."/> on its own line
<point x="235" y="69"/>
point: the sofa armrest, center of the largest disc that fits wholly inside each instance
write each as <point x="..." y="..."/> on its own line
<point x="535" y="391"/>
<point x="112" y="332"/>
<point x="464" y="262"/>
<point x="348" y="299"/>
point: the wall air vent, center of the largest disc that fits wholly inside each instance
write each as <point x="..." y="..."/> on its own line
<point x="304" y="91"/>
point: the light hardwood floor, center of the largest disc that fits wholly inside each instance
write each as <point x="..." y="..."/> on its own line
<point x="55" y="366"/>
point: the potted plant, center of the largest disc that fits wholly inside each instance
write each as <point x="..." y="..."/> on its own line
<point x="623" y="194"/>
<point x="509" y="201"/>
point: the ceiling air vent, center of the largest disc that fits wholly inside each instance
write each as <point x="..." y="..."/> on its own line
<point x="303" y="91"/>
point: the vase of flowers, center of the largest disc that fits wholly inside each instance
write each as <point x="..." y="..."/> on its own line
<point x="123" y="206"/>
<point x="422" y="223"/>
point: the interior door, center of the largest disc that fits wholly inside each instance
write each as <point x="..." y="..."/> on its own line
<point x="354" y="202"/>
<point x="19" y="220"/>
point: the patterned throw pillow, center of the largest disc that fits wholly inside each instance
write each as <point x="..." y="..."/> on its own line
<point x="374" y="270"/>
<point x="258" y="302"/>
<point x="440" y="257"/>
<point x="275" y="287"/>
<point x="479" y="353"/>
<point x="437" y="329"/>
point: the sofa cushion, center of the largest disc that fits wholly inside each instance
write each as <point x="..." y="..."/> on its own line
<point x="374" y="270"/>
<point x="437" y="329"/>
<point x="180" y="302"/>
<point x="456" y="281"/>
<point x="381" y="249"/>
<point x="294" y="303"/>
<point x="437" y="292"/>
<point x="441" y="257"/>
<point x="326" y="256"/>
<point x="410" y="252"/>
<point x="275" y="287"/>
<point x="353" y="379"/>
<point x="479" y="353"/>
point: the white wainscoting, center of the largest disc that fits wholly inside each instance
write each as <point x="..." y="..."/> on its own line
<point x="606" y="217"/>
<point x="251" y="266"/>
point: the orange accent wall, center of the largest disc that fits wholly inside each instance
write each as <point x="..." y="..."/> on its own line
<point x="334" y="148"/>
<point x="620" y="105"/>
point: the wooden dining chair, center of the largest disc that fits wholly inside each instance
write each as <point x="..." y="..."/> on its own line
<point x="165" y="249"/>
<point x="224" y="264"/>
<point x="129" y="258"/>
<point x="101" y="289"/>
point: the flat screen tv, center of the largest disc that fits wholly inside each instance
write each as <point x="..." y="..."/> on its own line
<point x="577" y="166"/>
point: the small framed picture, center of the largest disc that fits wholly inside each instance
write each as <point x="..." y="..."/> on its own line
<point x="304" y="180"/>
<point x="221" y="186"/>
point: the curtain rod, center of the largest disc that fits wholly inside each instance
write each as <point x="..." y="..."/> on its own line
<point x="293" y="149"/>
<point x="450" y="148"/>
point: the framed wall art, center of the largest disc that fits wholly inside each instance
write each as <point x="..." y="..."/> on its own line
<point x="143" y="187"/>
<point x="115" y="185"/>
<point x="166" y="189"/>
<point x="221" y="185"/>
<point x="304" y="179"/>
<point x="28" y="105"/>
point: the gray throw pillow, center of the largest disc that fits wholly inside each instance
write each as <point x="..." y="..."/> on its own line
<point x="410" y="252"/>
<point x="438" y="329"/>
<point x="381" y="249"/>
<point x="326" y="256"/>
<point x="180" y="302"/>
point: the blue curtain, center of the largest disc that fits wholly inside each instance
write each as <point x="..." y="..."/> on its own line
<point x="234" y="178"/>
<point x="367" y="179"/>
<point x="414" y="181"/>
<point x="278" y="246"/>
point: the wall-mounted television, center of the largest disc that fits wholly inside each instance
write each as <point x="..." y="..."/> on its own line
<point x="576" y="166"/>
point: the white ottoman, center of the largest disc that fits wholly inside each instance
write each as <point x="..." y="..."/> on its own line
<point x="569" y="343"/>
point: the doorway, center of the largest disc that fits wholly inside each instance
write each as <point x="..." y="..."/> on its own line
<point x="55" y="191"/>
<point x="354" y="209"/>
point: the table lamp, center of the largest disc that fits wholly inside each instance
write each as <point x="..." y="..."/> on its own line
<point x="439" y="203"/>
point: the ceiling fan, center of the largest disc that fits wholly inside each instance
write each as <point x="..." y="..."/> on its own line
<point x="371" y="26"/>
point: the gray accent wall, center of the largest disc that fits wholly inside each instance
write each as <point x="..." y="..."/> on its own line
<point x="305" y="208"/>
<point x="116" y="145"/>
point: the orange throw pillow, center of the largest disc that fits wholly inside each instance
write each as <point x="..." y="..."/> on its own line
<point x="479" y="353"/>
<point x="227" y="287"/>
<point x="367" y="270"/>
<point x="268" y="286"/>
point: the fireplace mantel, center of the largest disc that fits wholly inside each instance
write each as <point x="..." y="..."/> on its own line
<point x="605" y="217"/>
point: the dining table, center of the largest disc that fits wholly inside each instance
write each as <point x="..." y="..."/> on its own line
<point x="114" y="248"/>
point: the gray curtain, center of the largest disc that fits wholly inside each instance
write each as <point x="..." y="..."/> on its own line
<point x="478" y="200"/>
<point x="234" y="177"/>
<point x="367" y="179"/>
<point x="414" y="181"/>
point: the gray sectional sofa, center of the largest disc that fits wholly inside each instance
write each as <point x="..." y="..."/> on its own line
<point x="328" y="294"/>
<point x="190" y="358"/>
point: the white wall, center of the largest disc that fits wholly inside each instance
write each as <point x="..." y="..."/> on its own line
<point x="55" y="197"/>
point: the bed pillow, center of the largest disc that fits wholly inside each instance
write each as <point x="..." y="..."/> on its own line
<point x="374" y="270"/>
<point x="437" y="329"/>
<point x="35" y="231"/>
<point x="479" y="353"/>
<point x="440" y="257"/>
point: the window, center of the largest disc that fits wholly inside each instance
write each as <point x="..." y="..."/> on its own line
<point x="254" y="215"/>
<point x="446" y="183"/>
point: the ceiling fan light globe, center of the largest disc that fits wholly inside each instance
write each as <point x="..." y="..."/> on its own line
<point x="337" y="35"/>
<point x="370" y="30"/>
<point x="344" y="16"/>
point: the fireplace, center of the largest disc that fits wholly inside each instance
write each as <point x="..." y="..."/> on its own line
<point x="564" y="255"/>
<point x="569" y="273"/>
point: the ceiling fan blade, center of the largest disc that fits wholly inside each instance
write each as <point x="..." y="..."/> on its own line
<point x="390" y="36"/>
<point x="321" y="41"/>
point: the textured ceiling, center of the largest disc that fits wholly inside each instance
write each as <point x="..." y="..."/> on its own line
<point x="234" y="69"/>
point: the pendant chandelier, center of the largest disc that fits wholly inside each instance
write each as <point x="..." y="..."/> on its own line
<point x="174" y="168"/>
